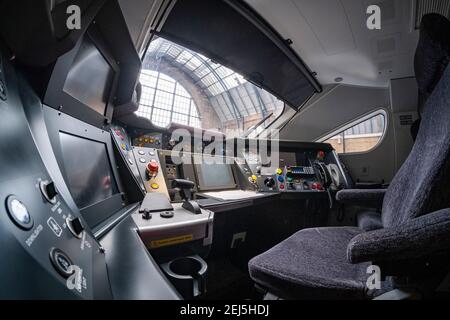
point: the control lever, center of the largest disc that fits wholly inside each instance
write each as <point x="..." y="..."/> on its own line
<point x="325" y="176"/>
<point x="186" y="192"/>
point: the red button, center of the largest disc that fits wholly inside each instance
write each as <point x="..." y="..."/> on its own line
<point x="281" y="186"/>
<point x="153" y="167"/>
<point x="321" y="155"/>
<point x="316" y="186"/>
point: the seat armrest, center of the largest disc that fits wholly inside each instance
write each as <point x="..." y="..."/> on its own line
<point x="364" y="197"/>
<point x="421" y="237"/>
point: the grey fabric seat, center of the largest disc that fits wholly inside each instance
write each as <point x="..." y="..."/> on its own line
<point x="368" y="198"/>
<point x="317" y="263"/>
<point x="433" y="52"/>
<point x="369" y="220"/>
<point x="300" y="267"/>
<point x="329" y="263"/>
<point x="431" y="58"/>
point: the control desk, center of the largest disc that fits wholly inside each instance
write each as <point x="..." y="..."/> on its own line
<point x="302" y="167"/>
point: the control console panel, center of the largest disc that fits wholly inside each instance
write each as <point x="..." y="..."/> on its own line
<point x="149" y="167"/>
<point x="299" y="171"/>
<point x="47" y="251"/>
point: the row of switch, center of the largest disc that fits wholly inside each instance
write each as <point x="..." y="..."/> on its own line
<point x="22" y="218"/>
<point x="19" y="213"/>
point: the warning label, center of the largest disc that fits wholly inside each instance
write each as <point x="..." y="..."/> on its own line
<point x="171" y="241"/>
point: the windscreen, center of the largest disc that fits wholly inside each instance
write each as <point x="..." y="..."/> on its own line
<point x="88" y="170"/>
<point x="90" y="77"/>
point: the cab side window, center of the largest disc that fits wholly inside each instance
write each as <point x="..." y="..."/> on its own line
<point x="359" y="136"/>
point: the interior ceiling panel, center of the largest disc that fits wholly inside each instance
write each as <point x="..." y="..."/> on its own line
<point x="339" y="41"/>
<point x="332" y="38"/>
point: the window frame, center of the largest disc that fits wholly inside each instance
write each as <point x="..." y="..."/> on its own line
<point x="174" y="94"/>
<point x="355" y="122"/>
<point x="218" y="90"/>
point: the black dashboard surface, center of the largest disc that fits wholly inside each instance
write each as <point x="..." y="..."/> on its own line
<point x="132" y="271"/>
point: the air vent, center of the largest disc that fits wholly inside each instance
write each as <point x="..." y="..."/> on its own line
<point x="406" y="119"/>
<point x="386" y="45"/>
<point x="424" y="7"/>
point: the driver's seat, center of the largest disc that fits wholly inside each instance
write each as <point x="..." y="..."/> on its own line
<point x="331" y="263"/>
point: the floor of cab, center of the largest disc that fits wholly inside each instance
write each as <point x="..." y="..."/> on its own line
<point x="228" y="281"/>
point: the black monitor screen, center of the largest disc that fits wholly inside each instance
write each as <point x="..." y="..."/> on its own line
<point x="88" y="170"/>
<point x="215" y="176"/>
<point x="90" y="77"/>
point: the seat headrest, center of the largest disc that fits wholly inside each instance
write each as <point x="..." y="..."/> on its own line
<point x="433" y="51"/>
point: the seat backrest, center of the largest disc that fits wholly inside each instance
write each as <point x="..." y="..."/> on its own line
<point x="431" y="58"/>
<point x="422" y="184"/>
<point x="432" y="53"/>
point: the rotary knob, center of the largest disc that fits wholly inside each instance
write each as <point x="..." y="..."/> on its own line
<point x="269" y="182"/>
<point x="253" y="179"/>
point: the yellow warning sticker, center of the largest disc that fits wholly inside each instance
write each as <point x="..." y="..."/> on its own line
<point x="171" y="241"/>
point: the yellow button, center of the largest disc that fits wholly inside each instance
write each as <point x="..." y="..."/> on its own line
<point x="279" y="171"/>
<point x="254" y="178"/>
<point x="123" y="146"/>
<point x="155" y="186"/>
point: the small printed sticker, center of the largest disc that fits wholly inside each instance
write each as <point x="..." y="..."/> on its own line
<point x="54" y="226"/>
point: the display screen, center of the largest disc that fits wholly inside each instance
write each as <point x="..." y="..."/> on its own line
<point x="88" y="170"/>
<point x="90" y="77"/>
<point x="215" y="176"/>
<point x="293" y="159"/>
<point x="288" y="159"/>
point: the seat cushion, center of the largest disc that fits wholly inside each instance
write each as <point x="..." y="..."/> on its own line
<point x="312" y="264"/>
<point x="369" y="220"/>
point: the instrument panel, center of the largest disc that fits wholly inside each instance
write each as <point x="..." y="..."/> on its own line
<point x="307" y="168"/>
<point x="297" y="171"/>
<point x="150" y="140"/>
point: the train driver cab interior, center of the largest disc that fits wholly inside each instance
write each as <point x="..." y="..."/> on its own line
<point x="225" y="149"/>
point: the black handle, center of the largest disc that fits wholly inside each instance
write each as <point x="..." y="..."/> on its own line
<point x="182" y="184"/>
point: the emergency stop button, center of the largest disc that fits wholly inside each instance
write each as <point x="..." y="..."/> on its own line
<point x="153" y="167"/>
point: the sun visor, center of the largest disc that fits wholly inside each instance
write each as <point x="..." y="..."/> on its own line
<point x="232" y="34"/>
<point x="36" y="32"/>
